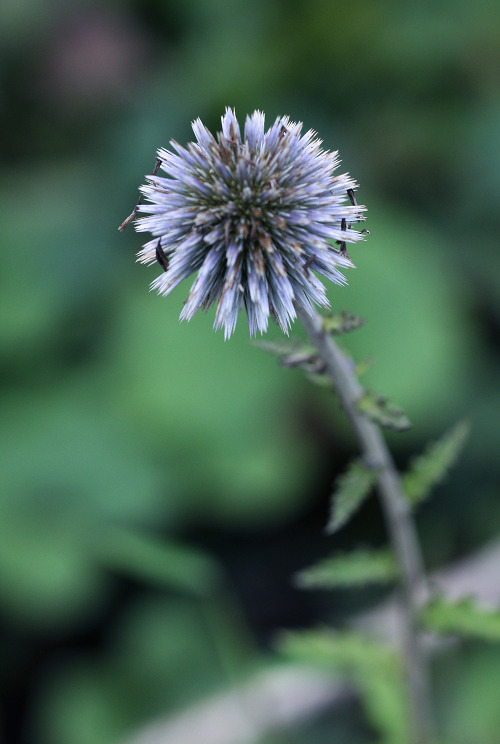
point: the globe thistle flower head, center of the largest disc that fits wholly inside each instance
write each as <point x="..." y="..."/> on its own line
<point x="257" y="216"/>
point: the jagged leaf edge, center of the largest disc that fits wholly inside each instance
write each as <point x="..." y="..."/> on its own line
<point x="417" y="482"/>
<point x="379" y="409"/>
<point x="375" y="669"/>
<point x="357" y="568"/>
<point x="352" y="489"/>
<point x="462" y="617"/>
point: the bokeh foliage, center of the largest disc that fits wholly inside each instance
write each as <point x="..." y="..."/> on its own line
<point x="115" y="415"/>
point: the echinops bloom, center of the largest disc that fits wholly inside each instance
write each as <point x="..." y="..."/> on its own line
<point x="257" y="216"/>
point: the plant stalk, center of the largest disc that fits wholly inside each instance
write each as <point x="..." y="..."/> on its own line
<point x="399" y="520"/>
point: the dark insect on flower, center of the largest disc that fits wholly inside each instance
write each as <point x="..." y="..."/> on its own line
<point x="161" y="257"/>
<point x="257" y="216"/>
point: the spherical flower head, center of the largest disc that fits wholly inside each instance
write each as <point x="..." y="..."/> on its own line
<point x="257" y="216"/>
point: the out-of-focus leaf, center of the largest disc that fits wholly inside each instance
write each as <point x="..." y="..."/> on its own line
<point x="217" y="414"/>
<point x="67" y="469"/>
<point x="352" y="488"/>
<point x="380" y="410"/>
<point x="337" y="649"/>
<point x="430" y="468"/>
<point x="160" y="657"/>
<point x="358" y="568"/>
<point x="470" y="685"/>
<point x="295" y="354"/>
<point x="342" y="322"/>
<point x="374" y="668"/>
<point x="158" y="562"/>
<point x="363" y="366"/>
<point x="283" y="347"/>
<point x="464" y="618"/>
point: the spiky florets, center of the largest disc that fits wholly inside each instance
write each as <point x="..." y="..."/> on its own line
<point x="254" y="216"/>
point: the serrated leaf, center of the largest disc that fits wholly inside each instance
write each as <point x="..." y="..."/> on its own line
<point x="464" y="618"/>
<point x="380" y="410"/>
<point x="352" y="488"/>
<point x="321" y="380"/>
<point x="294" y="354"/>
<point x="159" y="562"/>
<point x="308" y="362"/>
<point x="363" y="366"/>
<point x="342" y="322"/>
<point x="430" y="468"/>
<point x="374" y="668"/>
<point x="337" y="649"/>
<point x="283" y="347"/>
<point x="358" y="568"/>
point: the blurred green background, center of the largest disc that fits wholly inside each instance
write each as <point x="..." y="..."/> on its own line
<point x="119" y="424"/>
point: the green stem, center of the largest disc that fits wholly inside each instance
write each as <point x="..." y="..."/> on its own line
<point x="400" y="524"/>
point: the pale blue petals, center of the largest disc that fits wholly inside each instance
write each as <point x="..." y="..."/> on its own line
<point x="230" y="301"/>
<point x="230" y="126"/>
<point x="209" y="276"/>
<point x="254" y="130"/>
<point x="203" y="136"/>
<point x="257" y="218"/>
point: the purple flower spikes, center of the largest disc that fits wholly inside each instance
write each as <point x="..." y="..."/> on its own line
<point x="255" y="216"/>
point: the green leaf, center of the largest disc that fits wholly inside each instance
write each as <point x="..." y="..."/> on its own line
<point x="337" y="649"/>
<point x="380" y="410"/>
<point x="85" y="469"/>
<point x="373" y="667"/>
<point x="281" y="347"/>
<point x="352" y="489"/>
<point x="239" y="477"/>
<point x="464" y="618"/>
<point x="342" y="322"/>
<point x="363" y="366"/>
<point x="294" y="354"/>
<point x="353" y="569"/>
<point x="158" y="562"/>
<point x="321" y="380"/>
<point x="428" y="470"/>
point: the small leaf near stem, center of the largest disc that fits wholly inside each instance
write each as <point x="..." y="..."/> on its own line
<point x="428" y="470"/>
<point x="381" y="411"/>
<point x="464" y="617"/>
<point x="353" y="487"/>
<point x="375" y="669"/>
<point x="354" y="569"/>
<point x="342" y="322"/>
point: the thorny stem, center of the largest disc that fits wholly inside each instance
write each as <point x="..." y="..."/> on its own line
<point x="399" y="521"/>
